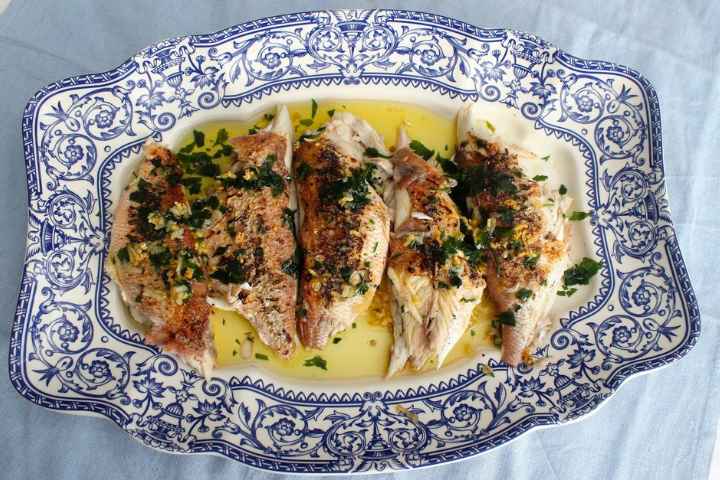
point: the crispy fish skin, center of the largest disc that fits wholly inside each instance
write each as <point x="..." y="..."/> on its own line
<point x="255" y="232"/>
<point x="435" y="289"/>
<point x="529" y="258"/>
<point x="181" y="327"/>
<point x="344" y="235"/>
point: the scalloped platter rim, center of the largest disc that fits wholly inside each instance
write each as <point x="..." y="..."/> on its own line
<point x="71" y="350"/>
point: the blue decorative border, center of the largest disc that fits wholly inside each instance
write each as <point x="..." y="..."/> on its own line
<point x="265" y="425"/>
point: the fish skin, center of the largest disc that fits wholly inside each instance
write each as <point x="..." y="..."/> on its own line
<point x="182" y="329"/>
<point x="334" y="237"/>
<point x="429" y="314"/>
<point x="268" y="295"/>
<point x="548" y="235"/>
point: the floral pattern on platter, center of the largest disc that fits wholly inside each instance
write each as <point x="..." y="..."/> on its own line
<point x="69" y="353"/>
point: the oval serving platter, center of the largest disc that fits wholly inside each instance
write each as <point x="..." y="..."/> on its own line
<point x="72" y="347"/>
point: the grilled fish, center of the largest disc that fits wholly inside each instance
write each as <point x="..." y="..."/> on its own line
<point x="435" y="285"/>
<point x="252" y="265"/>
<point x="525" y="222"/>
<point x="344" y="225"/>
<point x="155" y="270"/>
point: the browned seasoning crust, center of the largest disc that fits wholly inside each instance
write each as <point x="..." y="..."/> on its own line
<point x="511" y="211"/>
<point x="258" y="235"/>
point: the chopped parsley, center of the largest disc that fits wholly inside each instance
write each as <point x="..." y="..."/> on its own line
<point x="455" y="280"/>
<point x="198" y="138"/>
<point x="123" y="254"/>
<point x="374" y="153"/>
<point x="289" y="218"/>
<point x="352" y="191"/>
<point x="229" y="271"/>
<point x="201" y="210"/>
<point x="562" y="190"/>
<point x="261" y="356"/>
<point x="545" y="158"/>
<point x="579" y="274"/>
<point x="506" y="318"/>
<point x="306" y="122"/>
<point x="290" y="267"/>
<point x="316" y="361"/>
<point x="199" y="163"/>
<point x="421" y="149"/>
<point x="302" y="171"/>
<point x="577" y="216"/>
<point x="540" y="178"/>
<point x="331" y="113"/>
<point x="160" y="258"/>
<point x="256" y="178"/>
<point x="523" y="294"/>
<point x="313" y="108"/>
<point x="222" y="137"/>
<point x="490" y="126"/>
<point x="531" y="261"/>
<point x="193" y="184"/>
<point x="337" y="340"/>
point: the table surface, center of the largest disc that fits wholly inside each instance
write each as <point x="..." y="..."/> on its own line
<point x="660" y="425"/>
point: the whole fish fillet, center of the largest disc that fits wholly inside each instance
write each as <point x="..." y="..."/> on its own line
<point x="229" y="241"/>
<point x="529" y="234"/>
<point x="255" y="237"/>
<point x="435" y="288"/>
<point x="344" y="226"/>
<point x="172" y="305"/>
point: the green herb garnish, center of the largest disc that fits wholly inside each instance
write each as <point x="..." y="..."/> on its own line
<point x="313" y="108"/>
<point x="421" y="149"/>
<point x="562" y="190"/>
<point x="577" y="216"/>
<point x="374" y="153"/>
<point x="523" y="294"/>
<point x="316" y="361"/>
<point x="222" y="137"/>
<point x="540" y="178"/>
<point x="337" y="340"/>
<point x="123" y="255"/>
<point x="290" y="267"/>
<point x="531" y="261"/>
<point x="193" y="184"/>
<point x="506" y="318"/>
<point x="579" y="274"/>
<point x="356" y="185"/>
<point x="229" y="271"/>
<point x="261" y="356"/>
<point x="198" y="138"/>
<point x="302" y="171"/>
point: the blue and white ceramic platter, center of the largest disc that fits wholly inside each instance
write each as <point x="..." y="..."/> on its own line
<point x="72" y="348"/>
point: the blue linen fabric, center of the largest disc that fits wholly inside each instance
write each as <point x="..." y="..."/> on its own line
<point x="658" y="426"/>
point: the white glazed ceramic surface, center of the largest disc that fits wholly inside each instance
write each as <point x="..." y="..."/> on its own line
<point x="73" y="349"/>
